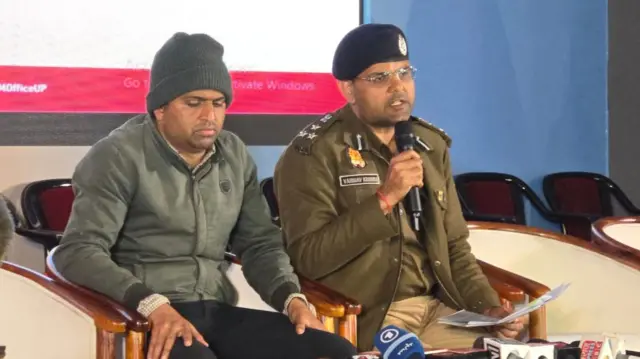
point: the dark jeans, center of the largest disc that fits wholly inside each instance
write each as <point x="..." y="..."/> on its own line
<point x="239" y="333"/>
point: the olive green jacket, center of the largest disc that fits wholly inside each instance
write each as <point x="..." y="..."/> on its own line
<point x="336" y="232"/>
<point x="144" y="222"/>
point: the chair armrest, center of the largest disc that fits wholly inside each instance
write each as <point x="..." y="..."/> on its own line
<point x="327" y="301"/>
<point x="134" y="320"/>
<point x="537" y="320"/>
<point x="49" y="239"/>
<point x="528" y="286"/>
<point x="104" y="317"/>
<point x="507" y="291"/>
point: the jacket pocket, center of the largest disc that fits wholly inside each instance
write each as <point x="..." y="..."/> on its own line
<point x="436" y="189"/>
<point x="440" y="197"/>
<point x="138" y="272"/>
<point x="358" y="187"/>
<point x="176" y="276"/>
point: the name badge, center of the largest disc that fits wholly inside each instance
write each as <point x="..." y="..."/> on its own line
<point x="359" y="179"/>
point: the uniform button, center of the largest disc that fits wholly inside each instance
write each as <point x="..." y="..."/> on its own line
<point x="401" y="211"/>
<point x="383" y="308"/>
<point x="437" y="263"/>
<point x="395" y="260"/>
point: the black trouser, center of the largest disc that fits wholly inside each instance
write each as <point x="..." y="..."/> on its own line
<point x="239" y="333"/>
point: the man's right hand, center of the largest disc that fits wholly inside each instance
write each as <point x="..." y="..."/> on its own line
<point x="167" y="325"/>
<point x="405" y="172"/>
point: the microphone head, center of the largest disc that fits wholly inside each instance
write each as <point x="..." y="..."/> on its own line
<point x="397" y="343"/>
<point x="403" y="133"/>
<point x="478" y="343"/>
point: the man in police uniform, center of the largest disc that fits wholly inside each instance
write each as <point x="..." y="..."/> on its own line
<point x="341" y="184"/>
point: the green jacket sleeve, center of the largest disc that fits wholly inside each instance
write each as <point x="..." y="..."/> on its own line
<point x="103" y="188"/>
<point x="6" y="226"/>
<point x="258" y="243"/>
<point x="320" y="240"/>
<point x="472" y="284"/>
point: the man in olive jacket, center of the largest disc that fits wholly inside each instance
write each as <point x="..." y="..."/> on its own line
<point x="157" y="203"/>
<point x="341" y="184"/>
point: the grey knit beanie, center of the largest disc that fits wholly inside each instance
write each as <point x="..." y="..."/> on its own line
<point x="187" y="63"/>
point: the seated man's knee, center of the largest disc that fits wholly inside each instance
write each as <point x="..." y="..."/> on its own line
<point x="327" y="345"/>
<point x="195" y="351"/>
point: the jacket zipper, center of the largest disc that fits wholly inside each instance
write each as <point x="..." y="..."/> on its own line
<point x="197" y="227"/>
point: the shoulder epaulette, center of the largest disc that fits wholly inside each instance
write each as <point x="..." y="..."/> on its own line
<point x="424" y="123"/>
<point x="305" y="138"/>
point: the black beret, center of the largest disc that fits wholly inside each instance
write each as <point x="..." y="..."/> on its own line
<point x="366" y="45"/>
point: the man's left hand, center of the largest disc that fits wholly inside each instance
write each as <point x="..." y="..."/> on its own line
<point x="302" y="317"/>
<point x="507" y="330"/>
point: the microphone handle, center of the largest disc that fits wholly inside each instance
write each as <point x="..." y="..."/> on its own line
<point x="415" y="208"/>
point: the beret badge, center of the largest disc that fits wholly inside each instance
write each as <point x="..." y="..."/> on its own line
<point x="402" y="45"/>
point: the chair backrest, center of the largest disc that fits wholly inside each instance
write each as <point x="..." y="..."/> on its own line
<point x="38" y="321"/>
<point x="497" y="194"/>
<point x="604" y="289"/>
<point x="584" y="193"/>
<point x="619" y="235"/>
<point x="266" y="185"/>
<point x="47" y="204"/>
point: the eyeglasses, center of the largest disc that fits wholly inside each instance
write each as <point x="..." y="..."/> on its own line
<point x="379" y="78"/>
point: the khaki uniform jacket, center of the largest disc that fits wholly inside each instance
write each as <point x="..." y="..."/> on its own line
<point x="336" y="232"/>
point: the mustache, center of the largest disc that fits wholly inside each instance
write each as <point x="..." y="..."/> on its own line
<point x="398" y="96"/>
<point x="206" y="126"/>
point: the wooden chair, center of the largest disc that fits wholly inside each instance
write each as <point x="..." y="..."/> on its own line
<point x="519" y="290"/>
<point x="336" y="311"/>
<point x="602" y="295"/>
<point x="618" y="235"/>
<point x="43" y="318"/>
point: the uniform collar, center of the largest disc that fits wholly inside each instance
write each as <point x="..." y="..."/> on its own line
<point x="360" y="137"/>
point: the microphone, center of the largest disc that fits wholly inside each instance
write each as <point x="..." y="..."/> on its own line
<point x="6" y="227"/>
<point x="603" y="347"/>
<point x="468" y="353"/>
<point x="506" y="348"/>
<point x="396" y="343"/>
<point x="562" y="350"/>
<point x="405" y="141"/>
<point x="541" y="351"/>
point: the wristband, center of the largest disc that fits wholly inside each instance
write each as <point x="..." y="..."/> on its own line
<point x="384" y="199"/>
<point x="292" y="297"/>
<point x="151" y="303"/>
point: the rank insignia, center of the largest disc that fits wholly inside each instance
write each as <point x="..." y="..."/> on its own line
<point x="356" y="158"/>
<point x="440" y="194"/>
